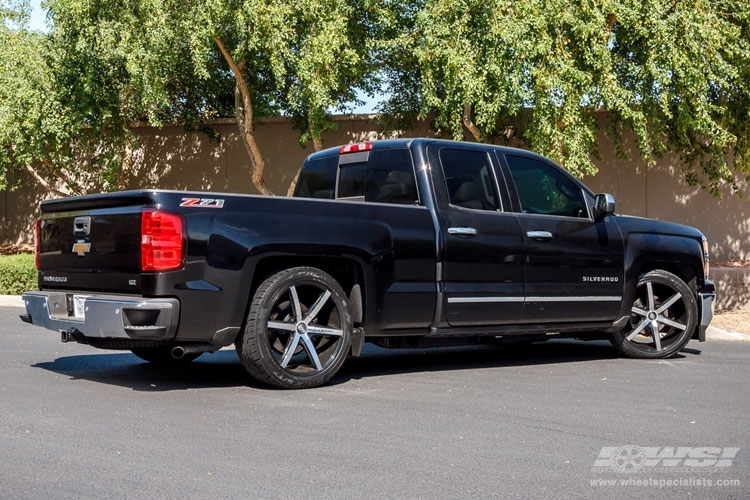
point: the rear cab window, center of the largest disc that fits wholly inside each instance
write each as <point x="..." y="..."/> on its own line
<point x="318" y="178"/>
<point x="378" y="176"/>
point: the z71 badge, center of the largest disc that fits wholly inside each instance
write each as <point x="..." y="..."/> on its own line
<point x="202" y="202"/>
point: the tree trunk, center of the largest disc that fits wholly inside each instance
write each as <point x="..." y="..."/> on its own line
<point x="469" y="123"/>
<point x="49" y="187"/>
<point x="244" y="115"/>
<point x="293" y="184"/>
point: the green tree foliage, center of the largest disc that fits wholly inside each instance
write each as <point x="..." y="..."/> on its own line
<point x="15" y="14"/>
<point x="116" y="64"/>
<point x="37" y="132"/>
<point x="187" y="61"/>
<point x="398" y="65"/>
<point x="674" y="73"/>
<point x="106" y="65"/>
<point x="304" y="57"/>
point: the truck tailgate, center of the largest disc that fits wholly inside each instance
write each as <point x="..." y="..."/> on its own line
<point x="91" y="243"/>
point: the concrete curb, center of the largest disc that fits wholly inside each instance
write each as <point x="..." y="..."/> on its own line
<point x="11" y="301"/>
<point x="711" y="334"/>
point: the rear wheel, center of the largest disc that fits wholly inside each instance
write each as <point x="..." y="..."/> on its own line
<point x="298" y="330"/>
<point x="162" y="356"/>
<point x="663" y="318"/>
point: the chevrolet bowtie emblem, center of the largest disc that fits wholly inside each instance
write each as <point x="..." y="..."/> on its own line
<point x="81" y="248"/>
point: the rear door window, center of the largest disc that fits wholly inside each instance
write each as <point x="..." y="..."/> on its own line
<point x="468" y="179"/>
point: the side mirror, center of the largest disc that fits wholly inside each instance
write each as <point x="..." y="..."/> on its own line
<point x="604" y="205"/>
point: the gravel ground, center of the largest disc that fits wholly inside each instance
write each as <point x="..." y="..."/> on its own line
<point x="733" y="321"/>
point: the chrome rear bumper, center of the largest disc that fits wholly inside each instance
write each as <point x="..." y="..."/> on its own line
<point x="106" y="316"/>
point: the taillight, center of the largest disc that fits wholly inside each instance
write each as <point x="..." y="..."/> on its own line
<point x="37" y="234"/>
<point x="705" y="258"/>
<point x="355" y="148"/>
<point x="161" y="241"/>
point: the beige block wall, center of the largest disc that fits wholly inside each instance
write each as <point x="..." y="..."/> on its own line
<point x="19" y="209"/>
<point x="171" y="158"/>
<point x="661" y="192"/>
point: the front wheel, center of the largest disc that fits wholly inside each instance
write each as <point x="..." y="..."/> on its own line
<point x="298" y="330"/>
<point x="663" y="318"/>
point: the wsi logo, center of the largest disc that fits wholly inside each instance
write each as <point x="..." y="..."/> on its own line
<point x="631" y="458"/>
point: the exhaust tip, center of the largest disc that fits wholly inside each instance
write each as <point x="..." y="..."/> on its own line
<point x="178" y="352"/>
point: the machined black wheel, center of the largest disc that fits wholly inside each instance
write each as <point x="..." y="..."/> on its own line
<point x="163" y="356"/>
<point x="298" y="330"/>
<point x="663" y="318"/>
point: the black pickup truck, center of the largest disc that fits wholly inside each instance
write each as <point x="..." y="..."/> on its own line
<point x="402" y="243"/>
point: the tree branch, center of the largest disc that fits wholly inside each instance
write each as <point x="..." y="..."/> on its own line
<point x="44" y="183"/>
<point x="293" y="184"/>
<point x="469" y="123"/>
<point x="244" y="115"/>
<point x="611" y="20"/>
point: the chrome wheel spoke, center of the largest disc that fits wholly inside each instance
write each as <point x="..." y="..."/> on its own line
<point x="301" y="330"/>
<point x="315" y="309"/>
<point x="640" y="312"/>
<point x="666" y="305"/>
<point x="672" y="323"/>
<point x="321" y="330"/>
<point x="278" y="325"/>
<point x="655" y="335"/>
<point x="311" y="352"/>
<point x="296" y="307"/>
<point x="289" y="351"/>
<point x="638" y="329"/>
<point x="650" y="291"/>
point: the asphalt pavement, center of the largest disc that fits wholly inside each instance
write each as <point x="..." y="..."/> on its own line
<point x="561" y="419"/>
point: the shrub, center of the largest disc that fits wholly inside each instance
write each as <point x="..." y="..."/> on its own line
<point x="17" y="274"/>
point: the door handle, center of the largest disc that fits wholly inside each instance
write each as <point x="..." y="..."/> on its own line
<point x="539" y="235"/>
<point x="462" y="231"/>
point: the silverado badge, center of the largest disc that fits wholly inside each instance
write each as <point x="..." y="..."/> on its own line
<point x="81" y="248"/>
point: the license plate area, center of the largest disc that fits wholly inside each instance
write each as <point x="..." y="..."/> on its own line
<point x="79" y="306"/>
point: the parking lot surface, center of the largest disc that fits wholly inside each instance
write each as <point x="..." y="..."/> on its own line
<point x="553" y="420"/>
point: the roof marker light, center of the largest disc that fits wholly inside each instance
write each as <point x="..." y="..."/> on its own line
<point x="355" y="148"/>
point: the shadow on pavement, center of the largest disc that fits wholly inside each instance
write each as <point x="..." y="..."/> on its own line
<point x="377" y="361"/>
<point x="220" y="369"/>
<point x="223" y="369"/>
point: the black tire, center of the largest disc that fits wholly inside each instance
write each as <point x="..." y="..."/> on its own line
<point x="298" y="330"/>
<point x="664" y="317"/>
<point x="162" y="356"/>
